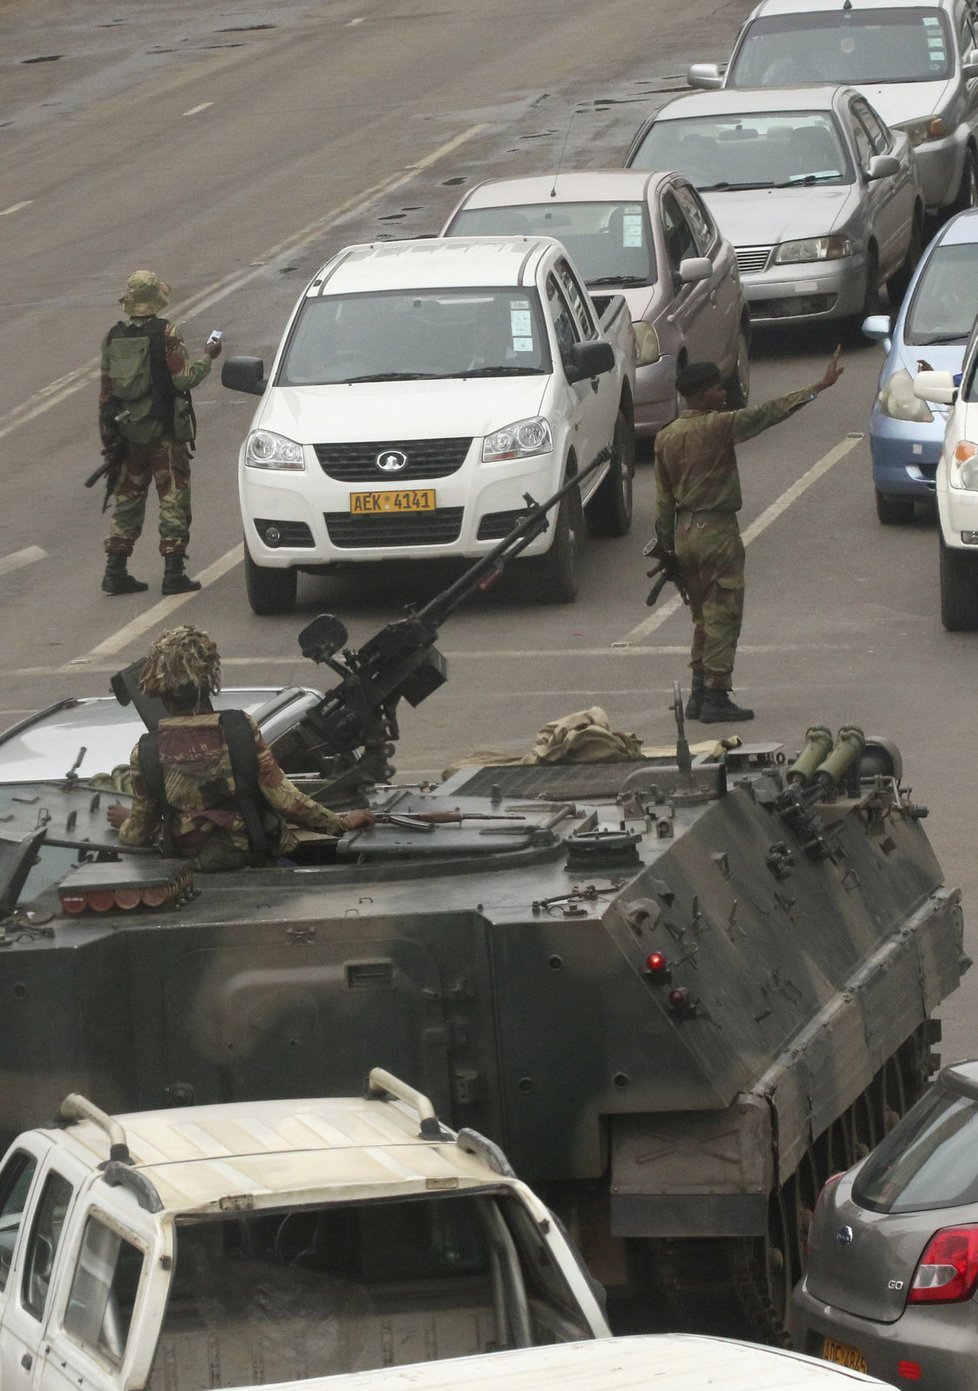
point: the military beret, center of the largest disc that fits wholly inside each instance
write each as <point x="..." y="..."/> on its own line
<point x="695" y="376"/>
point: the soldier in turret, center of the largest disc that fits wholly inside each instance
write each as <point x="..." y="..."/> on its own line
<point x="697" y="500"/>
<point x="205" y="784"/>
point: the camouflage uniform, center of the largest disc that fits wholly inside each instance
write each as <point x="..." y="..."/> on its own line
<point x="153" y="456"/>
<point x="207" y="827"/>
<point x="697" y="501"/>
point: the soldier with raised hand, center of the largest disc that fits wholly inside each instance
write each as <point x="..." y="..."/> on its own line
<point x="144" y="403"/>
<point x="206" y="786"/>
<point x="697" y="500"/>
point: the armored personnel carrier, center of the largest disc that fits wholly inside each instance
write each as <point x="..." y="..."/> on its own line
<point x="678" y="992"/>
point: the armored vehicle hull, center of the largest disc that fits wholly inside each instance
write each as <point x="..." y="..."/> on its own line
<point x="678" y="995"/>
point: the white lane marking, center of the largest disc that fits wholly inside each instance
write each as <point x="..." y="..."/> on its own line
<point x="354" y="22"/>
<point x="18" y="559"/>
<point x="760" y="524"/>
<point x="196" y="110"/>
<point x="16" y="207"/>
<point x="160" y="611"/>
<point x="56" y="392"/>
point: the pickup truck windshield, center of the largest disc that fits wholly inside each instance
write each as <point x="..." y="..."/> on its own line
<point x="849" y="47"/>
<point x="415" y="334"/>
<point x="610" y="243"/>
<point x="768" y="149"/>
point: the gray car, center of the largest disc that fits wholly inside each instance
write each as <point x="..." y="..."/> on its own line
<point x="820" y="198"/>
<point x="649" y="237"/>
<point x="893" y="1250"/>
<point x="916" y="63"/>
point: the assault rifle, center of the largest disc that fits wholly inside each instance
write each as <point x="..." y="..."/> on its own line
<point x="350" y="736"/>
<point x="113" y="458"/>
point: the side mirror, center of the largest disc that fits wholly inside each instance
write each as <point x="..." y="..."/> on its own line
<point x="694" y="269"/>
<point x="244" y="374"/>
<point x="882" y="167"/>
<point x="705" y="75"/>
<point x="877" y="329"/>
<point x="935" y="386"/>
<point x="589" y="360"/>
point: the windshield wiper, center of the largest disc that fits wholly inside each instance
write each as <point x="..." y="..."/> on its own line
<point x="723" y="187"/>
<point x="800" y="180"/>
<point x="504" y="371"/>
<point x="619" y="280"/>
<point x="386" y="377"/>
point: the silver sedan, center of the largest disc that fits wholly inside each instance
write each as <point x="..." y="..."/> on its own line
<point x="820" y="198"/>
<point x="647" y="236"/>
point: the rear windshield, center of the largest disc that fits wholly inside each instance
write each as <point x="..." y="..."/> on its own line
<point x="611" y="243"/>
<point x="413" y="334"/>
<point x="927" y="1160"/>
<point x="848" y="47"/>
<point x="945" y="301"/>
<point x="769" y="149"/>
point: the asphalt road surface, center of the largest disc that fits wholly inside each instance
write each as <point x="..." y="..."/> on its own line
<point x="232" y="146"/>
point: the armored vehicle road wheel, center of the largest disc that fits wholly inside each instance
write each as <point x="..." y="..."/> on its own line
<point x="269" y="591"/>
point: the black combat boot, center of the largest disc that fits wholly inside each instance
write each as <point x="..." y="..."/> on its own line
<point x="174" y="580"/>
<point x="695" y="703"/>
<point x="718" y="707"/>
<point x="117" y="579"/>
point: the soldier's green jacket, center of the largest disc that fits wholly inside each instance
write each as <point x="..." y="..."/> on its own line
<point x="695" y="462"/>
<point x="186" y="373"/>
<point x="208" y="828"/>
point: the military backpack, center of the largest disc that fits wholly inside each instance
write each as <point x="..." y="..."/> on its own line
<point x="144" y="405"/>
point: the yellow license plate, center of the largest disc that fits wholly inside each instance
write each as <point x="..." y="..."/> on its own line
<point x="402" y="500"/>
<point x="843" y="1355"/>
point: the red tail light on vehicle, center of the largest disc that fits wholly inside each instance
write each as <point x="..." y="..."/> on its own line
<point x="948" y="1269"/>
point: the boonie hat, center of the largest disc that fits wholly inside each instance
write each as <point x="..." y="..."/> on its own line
<point x="146" y="294"/>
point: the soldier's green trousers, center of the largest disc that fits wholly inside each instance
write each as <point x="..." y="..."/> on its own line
<point x="711" y="553"/>
<point x="167" y="464"/>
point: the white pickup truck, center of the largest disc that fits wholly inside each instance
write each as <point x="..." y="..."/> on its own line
<point x="268" y="1242"/>
<point x="421" y="390"/>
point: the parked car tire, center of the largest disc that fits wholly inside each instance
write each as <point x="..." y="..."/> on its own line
<point x="899" y="281"/>
<point x="554" y="576"/>
<point x="609" y="513"/>
<point x="967" y="194"/>
<point x="738" y="387"/>
<point x="892" y="510"/>
<point x="959" y="589"/>
<point x="269" y="591"/>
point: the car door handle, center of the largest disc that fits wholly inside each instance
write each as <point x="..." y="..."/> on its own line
<point x="27" y="1361"/>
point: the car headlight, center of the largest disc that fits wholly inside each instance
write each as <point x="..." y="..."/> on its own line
<point x="265" y="449"/>
<point x="963" y="466"/>
<point x="518" y="441"/>
<point x="813" y="249"/>
<point x="897" y="400"/>
<point x="646" y="344"/>
<point x="920" y="131"/>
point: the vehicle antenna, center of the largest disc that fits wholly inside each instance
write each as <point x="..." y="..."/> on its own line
<point x="560" y="157"/>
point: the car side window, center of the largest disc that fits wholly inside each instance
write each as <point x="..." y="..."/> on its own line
<point x="704" y="228"/>
<point x="561" y="316"/>
<point x="576" y="299"/>
<point x="864" y="146"/>
<point x="103" y="1290"/>
<point x="879" y="134"/>
<point x="15" y="1181"/>
<point x="42" y="1247"/>
<point x="680" y="242"/>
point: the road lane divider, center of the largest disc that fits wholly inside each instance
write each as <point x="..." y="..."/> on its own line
<point x="18" y="559"/>
<point x="60" y="390"/>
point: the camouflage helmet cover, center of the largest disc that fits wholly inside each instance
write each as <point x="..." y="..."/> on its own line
<point x="181" y="659"/>
<point x="146" y="294"/>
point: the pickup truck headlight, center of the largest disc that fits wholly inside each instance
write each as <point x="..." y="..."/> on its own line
<point x="265" y="449"/>
<point x="897" y="400"/>
<point x="518" y="441"/>
<point x="919" y="132"/>
<point x="963" y="466"/>
<point x="813" y="249"/>
<point x="646" y="344"/>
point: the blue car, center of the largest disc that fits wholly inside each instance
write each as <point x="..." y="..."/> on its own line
<point x="931" y="329"/>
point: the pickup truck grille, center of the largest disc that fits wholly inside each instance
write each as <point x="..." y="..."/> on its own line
<point x="357" y="463"/>
<point x="751" y="259"/>
<point x="404" y="529"/>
